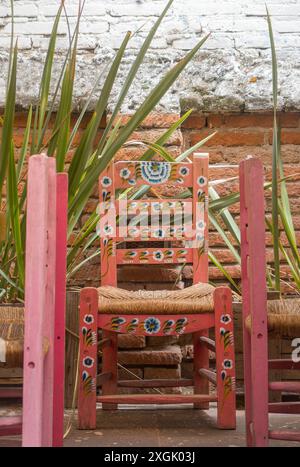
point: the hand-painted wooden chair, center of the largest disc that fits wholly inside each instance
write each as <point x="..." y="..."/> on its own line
<point x="192" y="310"/>
<point x="259" y="316"/>
<point x="41" y="345"/>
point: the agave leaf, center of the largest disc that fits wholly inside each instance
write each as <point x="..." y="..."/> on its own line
<point x="274" y="159"/>
<point x="82" y="152"/>
<point x="25" y="142"/>
<point x="13" y="202"/>
<point x="131" y="76"/>
<point x="78" y="201"/>
<point x="46" y="76"/>
<point x="214" y="221"/>
<point x="226" y="274"/>
<point x="8" y="121"/>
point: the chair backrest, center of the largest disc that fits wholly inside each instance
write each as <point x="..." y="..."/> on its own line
<point x="181" y="222"/>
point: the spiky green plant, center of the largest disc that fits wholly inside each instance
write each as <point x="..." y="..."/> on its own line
<point x="90" y="157"/>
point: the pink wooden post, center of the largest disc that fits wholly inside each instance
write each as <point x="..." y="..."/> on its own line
<point x="49" y="313"/>
<point x="60" y="305"/>
<point x="225" y="360"/>
<point x="246" y="305"/>
<point x="255" y="299"/>
<point x="36" y="407"/>
<point x="88" y="358"/>
<point x="200" y="265"/>
<point x="108" y="277"/>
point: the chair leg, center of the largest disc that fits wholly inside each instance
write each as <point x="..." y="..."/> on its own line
<point x="225" y="361"/>
<point x="87" y="359"/>
<point x="247" y="384"/>
<point x="110" y="365"/>
<point x="201" y="360"/>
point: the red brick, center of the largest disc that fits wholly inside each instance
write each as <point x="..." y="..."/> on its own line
<point x="230" y="138"/>
<point x="215" y="121"/>
<point x="288" y="137"/>
<point x="264" y="120"/>
<point x="154" y="120"/>
<point x="194" y="122"/>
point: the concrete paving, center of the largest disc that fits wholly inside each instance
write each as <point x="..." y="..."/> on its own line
<point x="166" y="426"/>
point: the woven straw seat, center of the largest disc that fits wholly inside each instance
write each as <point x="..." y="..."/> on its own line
<point x="283" y="316"/>
<point x="11" y="336"/>
<point x="195" y="299"/>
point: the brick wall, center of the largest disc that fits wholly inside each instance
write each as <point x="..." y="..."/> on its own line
<point x="238" y="135"/>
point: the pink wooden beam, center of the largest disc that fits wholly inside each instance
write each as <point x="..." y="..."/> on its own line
<point x="254" y="300"/>
<point x="285" y="386"/>
<point x="283" y="364"/>
<point x="49" y="313"/>
<point x="10" y="393"/>
<point x="285" y="435"/>
<point x="10" y="426"/>
<point x="35" y="300"/>
<point x="60" y="306"/>
<point x="284" y="407"/>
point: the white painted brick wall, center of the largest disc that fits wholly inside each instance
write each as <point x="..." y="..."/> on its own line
<point x="219" y="77"/>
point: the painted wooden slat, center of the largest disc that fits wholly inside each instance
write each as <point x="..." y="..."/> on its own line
<point x="155" y="383"/>
<point x="284" y="407"/>
<point x="154" y="256"/>
<point x="35" y="300"/>
<point x="10" y="393"/>
<point x="200" y="264"/>
<point x="154" y="205"/>
<point x="60" y="308"/>
<point x="88" y="311"/>
<point x="283" y="364"/>
<point x="285" y="435"/>
<point x="254" y="300"/>
<point x="129" y="174"/>
<point x="156" y="399"/>
<point x="155" y="325"/>
<point x="107" y="222"/>
<point x="225" y="359"/>
<point x="10" y="426"/>
<point x="285" y="386"/>
<point x="200" y="214"/>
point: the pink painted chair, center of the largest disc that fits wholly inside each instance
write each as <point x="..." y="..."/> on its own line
<point x="163" y="313"/>
<point x="260" y="315"/>
<point x="42" y="419"/>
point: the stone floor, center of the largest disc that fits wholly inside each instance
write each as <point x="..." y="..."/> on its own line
<point x="163" y="427"/>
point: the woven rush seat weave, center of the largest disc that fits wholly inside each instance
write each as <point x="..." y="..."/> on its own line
<point x="11" y="336"/>
<point x="283" y="316"/>
<point x="195" y="299"/>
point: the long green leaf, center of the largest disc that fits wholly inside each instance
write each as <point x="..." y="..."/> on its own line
<point x="15" y="215"/>
<point x="8" y="121"/>
<point x="275" y="160"/>
<point x="78" y="202"/>
<point x="132" y="74"/>
<point x="82" y="152"/>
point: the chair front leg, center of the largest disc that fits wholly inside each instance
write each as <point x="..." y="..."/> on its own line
<point x="110" y="365"/>
<point x="225" y="359"/>
<point x="201" y="361"/>
<point x="87" y="358"/>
